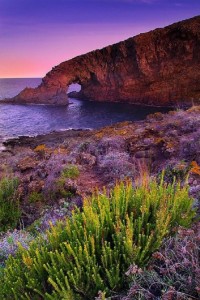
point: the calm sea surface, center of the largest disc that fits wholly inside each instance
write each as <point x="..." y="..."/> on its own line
<point x="18" y="120"/>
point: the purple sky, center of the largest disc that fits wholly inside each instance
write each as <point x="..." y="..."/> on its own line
<point x="35" y="35"/>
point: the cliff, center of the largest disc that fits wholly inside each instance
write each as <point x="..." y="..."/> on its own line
<point x="161" y="67"/>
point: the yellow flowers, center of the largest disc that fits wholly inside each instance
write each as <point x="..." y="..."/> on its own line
<point x="27" y="260"/>
<point x="195" y="168"/>
<point x="40" y="148"/>
<point x="41" y="151"/>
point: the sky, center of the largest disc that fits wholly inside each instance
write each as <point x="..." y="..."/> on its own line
<point x="36" y="35"/>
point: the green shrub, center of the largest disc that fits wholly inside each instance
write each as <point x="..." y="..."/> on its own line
<point x="173" y="272"/>
<point x="70" y="172"/>
<point x="63" y="190"/>
<point x="35" y="197"/>
<point x="9" y="203"/>
<point x="94" y="248"/>
<point x="178" y="172"/>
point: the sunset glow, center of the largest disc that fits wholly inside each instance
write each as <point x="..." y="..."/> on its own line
<point x="35" y="35"/>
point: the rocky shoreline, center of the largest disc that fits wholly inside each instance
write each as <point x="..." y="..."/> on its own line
<point x="50" y="139"/>
<point x="124" y="150"/>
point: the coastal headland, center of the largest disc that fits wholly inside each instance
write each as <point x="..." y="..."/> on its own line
<point x="161" y="67"/>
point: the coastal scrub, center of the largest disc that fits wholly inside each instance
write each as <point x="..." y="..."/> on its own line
<point x="92" y="250"/>
<point x="9" y="203"/>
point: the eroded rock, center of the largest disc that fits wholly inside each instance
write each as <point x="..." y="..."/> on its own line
<point x="161" y="67"/>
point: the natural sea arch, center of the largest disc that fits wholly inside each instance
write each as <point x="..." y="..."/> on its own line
<point x="161" y="67"/>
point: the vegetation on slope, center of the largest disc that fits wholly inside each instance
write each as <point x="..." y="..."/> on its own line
<point x="173" y="272"/>
<point x="94" y="248"/>
<point x="9" y="203"/>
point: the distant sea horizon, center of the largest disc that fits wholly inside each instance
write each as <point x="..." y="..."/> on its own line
<point x="21" y="78"/>
<point x="10" y="87"/>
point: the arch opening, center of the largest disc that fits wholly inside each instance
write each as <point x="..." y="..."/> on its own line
<point x="74" y="90"/>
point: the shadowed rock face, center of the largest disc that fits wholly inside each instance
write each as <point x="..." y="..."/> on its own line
<point x="161" y="67"/>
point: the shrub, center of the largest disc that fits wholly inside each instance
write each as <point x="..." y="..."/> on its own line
<point x="35" y="197"/>
<point x="41" y="150"/>
<point x="65" y="184"/>
<point x="70" y="172"/>
<point x="116" y="165"/>
<point x="174" y="271"/>
<point x="9" y="243"/>
<point x="178" y="172"/>
<point x="9" y="203"/>
<point x="93" y="249"/>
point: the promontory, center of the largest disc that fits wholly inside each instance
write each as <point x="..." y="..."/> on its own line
<point x="161" y="67"/>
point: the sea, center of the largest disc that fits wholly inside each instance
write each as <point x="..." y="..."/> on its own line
<point x="31" y="120"/>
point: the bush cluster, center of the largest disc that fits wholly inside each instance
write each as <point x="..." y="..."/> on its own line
<point x="9" y="243"/>
<point x="92" y="250"/>
<point x="9" y="203"/>
<point x="174" y="272"/>
<point x="64" y="183"/>
<point x="70" y="171"/>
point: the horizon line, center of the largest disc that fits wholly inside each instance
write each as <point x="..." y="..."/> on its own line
<point x="22" y="77"/>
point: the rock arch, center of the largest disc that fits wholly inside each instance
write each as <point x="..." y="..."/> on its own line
<point x="161" y="67"/>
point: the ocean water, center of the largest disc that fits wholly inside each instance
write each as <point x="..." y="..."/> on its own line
<point x="17" y="120"/>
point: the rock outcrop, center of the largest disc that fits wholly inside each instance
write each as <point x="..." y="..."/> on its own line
<point x="161" y="67"/>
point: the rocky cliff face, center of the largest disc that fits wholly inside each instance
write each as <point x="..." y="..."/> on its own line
<point x="161" y="67"/>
